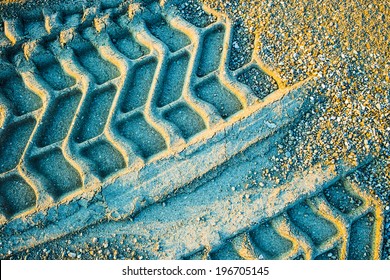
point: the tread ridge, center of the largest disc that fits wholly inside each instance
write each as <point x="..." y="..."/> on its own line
<point x="97" y="155"/>
<point x="304" y="246"/>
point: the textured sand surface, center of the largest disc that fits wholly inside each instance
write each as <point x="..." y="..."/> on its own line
<point x="184" y="129"/>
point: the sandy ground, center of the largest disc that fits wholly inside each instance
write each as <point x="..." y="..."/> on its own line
<point x="345" y="47"/>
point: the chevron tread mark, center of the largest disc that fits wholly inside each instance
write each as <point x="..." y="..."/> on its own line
<point x="313" y="229"/>
<point x="85" y="94"/>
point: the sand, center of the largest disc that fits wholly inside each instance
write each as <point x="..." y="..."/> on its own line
<point x="174" y="130"/>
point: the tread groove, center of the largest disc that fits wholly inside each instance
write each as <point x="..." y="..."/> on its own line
<point x="116" y="107"/>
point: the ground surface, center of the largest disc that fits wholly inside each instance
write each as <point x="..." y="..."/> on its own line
<point x="184" y="129"/>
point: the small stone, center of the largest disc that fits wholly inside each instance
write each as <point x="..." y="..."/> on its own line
<point x="115" y="215"/>
<point x="269" y="124"/>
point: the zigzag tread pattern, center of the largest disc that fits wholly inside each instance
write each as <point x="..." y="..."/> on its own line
<point x="340" y="222"/>
<point x="86" y="97"/>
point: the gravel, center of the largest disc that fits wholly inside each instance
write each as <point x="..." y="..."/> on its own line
<point x="344" y="47"/>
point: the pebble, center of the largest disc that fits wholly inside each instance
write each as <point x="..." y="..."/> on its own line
<point x="354" y="94"/>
